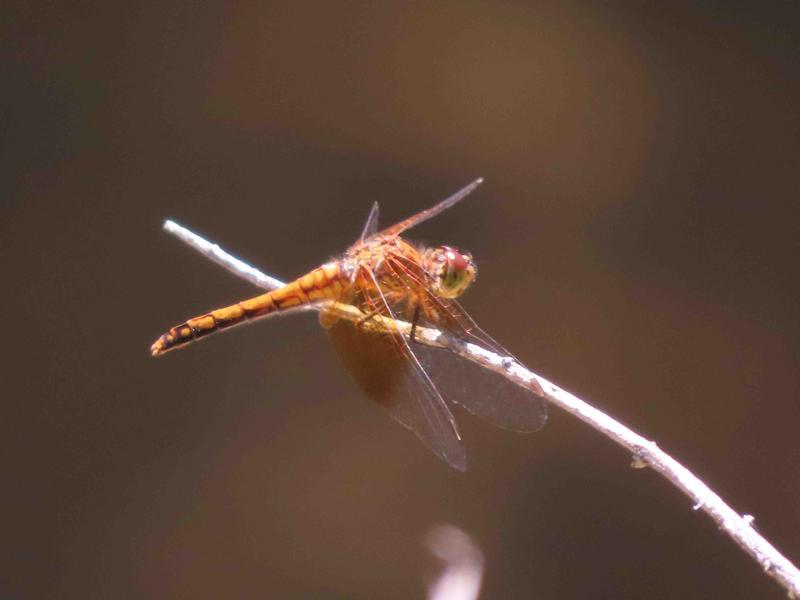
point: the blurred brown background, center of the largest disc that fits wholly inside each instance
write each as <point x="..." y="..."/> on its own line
<point x="637" y="238"/>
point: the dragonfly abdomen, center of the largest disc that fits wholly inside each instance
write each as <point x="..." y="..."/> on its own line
<point x="321" y="284"/>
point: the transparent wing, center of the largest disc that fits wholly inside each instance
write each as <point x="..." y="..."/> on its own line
<point x="371" y="226"/>
<point x="481" y="391"/>
<point x="426" y="214"/>
<point x="389" y="373"/>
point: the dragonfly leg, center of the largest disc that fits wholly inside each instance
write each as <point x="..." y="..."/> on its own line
<point x="366" y="318"/>
<point x="414" y="323"/>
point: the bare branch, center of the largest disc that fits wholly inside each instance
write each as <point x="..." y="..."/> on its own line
<point x="222" y="258"/>
<point x="644" y="452"/>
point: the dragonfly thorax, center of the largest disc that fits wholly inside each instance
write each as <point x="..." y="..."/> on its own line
<point x="399" y="266"/>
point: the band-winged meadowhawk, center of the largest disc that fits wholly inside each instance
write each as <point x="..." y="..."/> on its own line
<point x="390" y="279"/>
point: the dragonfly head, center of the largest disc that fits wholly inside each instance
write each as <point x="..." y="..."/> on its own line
<point x="451" y="271"/>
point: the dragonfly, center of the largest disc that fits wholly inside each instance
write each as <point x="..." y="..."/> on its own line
<point x="395" y="282"/>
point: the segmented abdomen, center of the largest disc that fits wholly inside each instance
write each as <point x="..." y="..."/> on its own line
<point x="323" y="283"/>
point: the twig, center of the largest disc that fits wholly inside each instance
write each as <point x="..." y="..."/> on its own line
<point x="645" y="452"/>
<point x="222" y="258"/>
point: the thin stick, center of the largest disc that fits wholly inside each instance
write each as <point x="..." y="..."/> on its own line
<point x="645" y="452"/>
<point x="222" y="258"/>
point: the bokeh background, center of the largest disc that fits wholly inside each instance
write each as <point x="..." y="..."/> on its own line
<point x="637" y="238"/>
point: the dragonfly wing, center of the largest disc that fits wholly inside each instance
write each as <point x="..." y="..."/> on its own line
<point x="431" y="212"/>
<point x="481" y="391"/>
<point x="371" y="226"/>
<point x="386" y="369"/>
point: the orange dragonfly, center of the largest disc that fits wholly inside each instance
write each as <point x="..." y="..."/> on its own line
<point x="384" y="275"/>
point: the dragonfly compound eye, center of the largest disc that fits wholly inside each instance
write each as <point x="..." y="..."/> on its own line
<point x="455" y="271"/>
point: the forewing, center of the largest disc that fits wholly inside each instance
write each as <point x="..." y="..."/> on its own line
<point x="428" y="213"/>
<point x="386" y="369"/>
<point x="371" y="226"/>
<point x="481" y="391"/>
